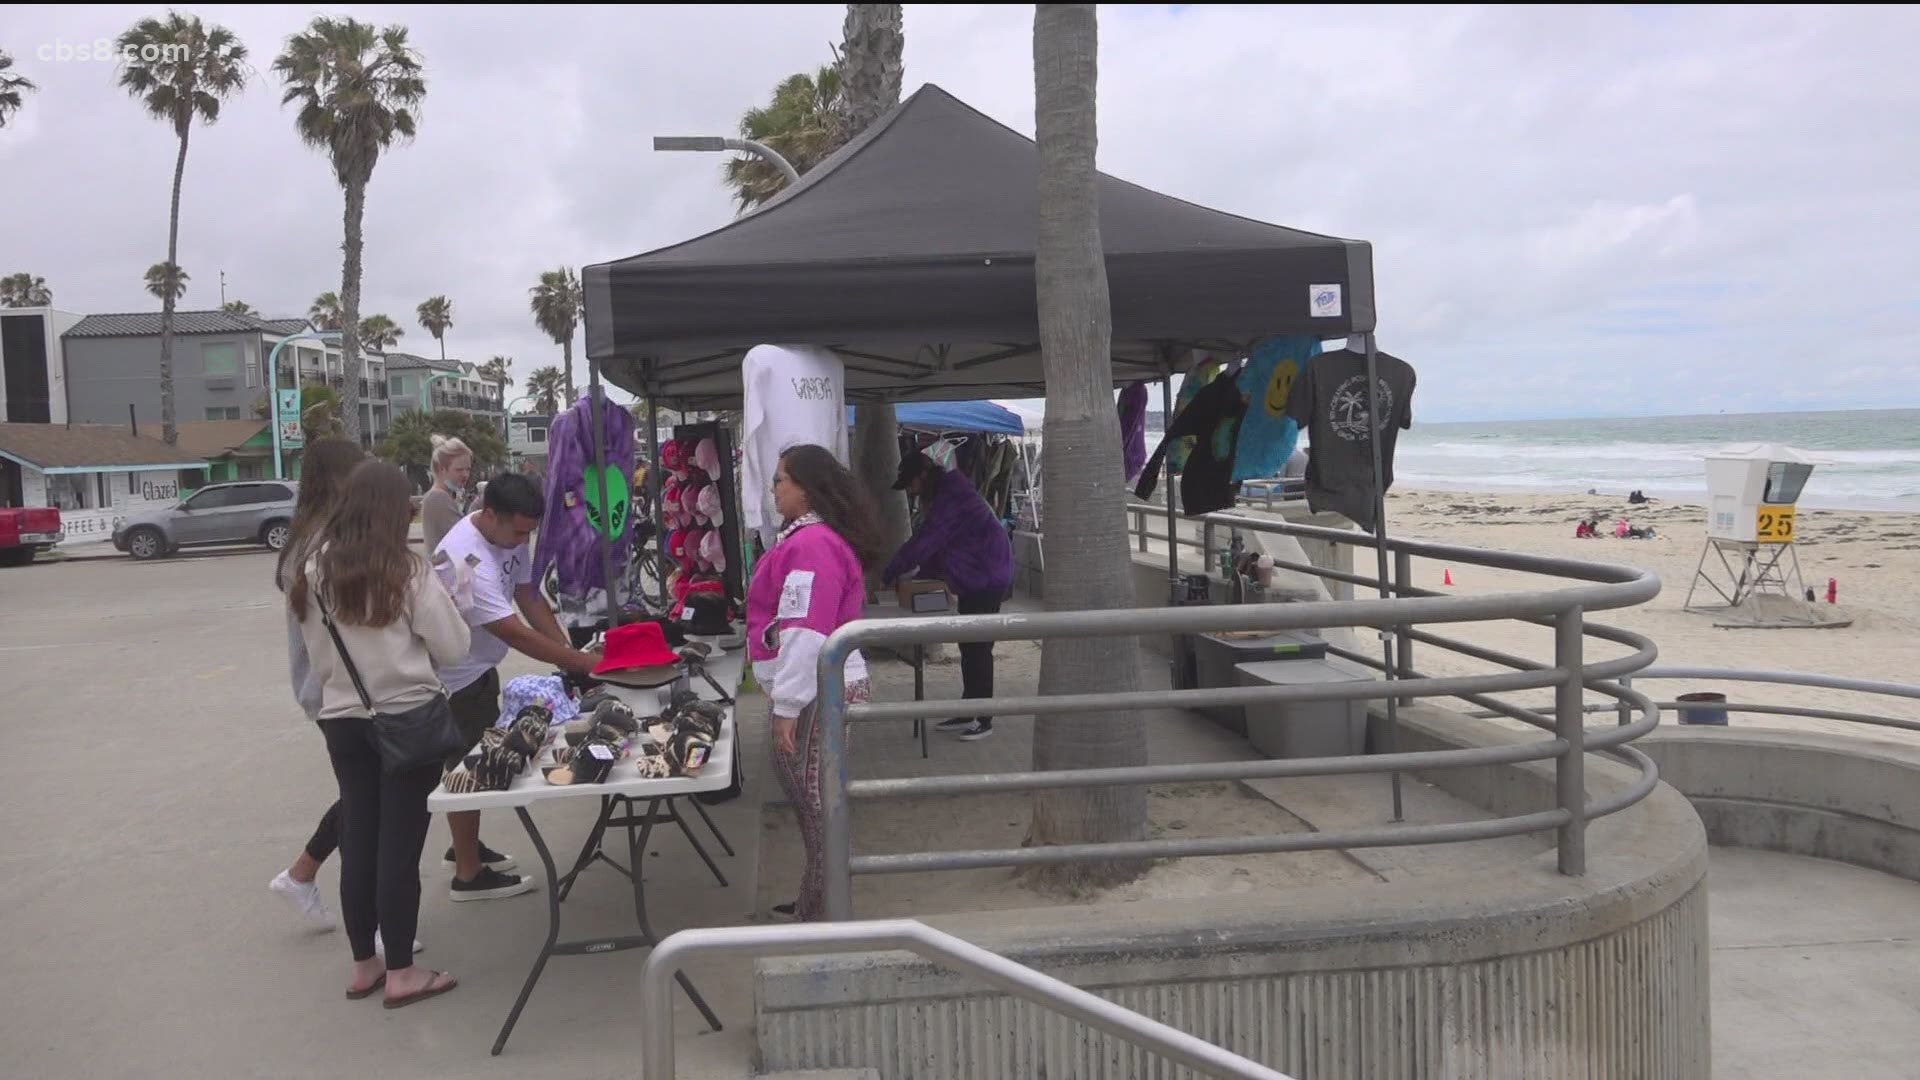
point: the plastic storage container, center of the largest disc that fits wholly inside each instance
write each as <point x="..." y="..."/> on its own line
<point x="1303" y="729"/>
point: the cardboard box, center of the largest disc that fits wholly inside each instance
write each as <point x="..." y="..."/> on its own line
<point x="924" y="597"/>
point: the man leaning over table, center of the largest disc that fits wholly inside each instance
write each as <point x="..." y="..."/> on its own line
<point x="963" y="543"/>
<point x="486" y="564"/>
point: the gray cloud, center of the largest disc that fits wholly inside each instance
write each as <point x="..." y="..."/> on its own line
<point x="1575" y="211"/>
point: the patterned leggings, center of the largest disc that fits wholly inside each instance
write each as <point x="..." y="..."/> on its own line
<point x="799" y="775"/>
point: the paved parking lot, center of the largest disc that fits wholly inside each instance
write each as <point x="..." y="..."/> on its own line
<point x="158" y="774"/>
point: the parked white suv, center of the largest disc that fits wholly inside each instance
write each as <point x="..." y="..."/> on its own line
<point x="251" y="511"/>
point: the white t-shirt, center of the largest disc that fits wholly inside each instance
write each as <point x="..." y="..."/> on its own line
<point x="481" y="579"/>
<point x="793" y="394"/>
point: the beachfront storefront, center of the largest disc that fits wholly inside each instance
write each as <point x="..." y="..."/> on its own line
<point x="94" y="474"/>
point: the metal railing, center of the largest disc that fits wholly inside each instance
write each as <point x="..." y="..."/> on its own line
<point x="1594" y="587"/>
<point x="674" y="953"/>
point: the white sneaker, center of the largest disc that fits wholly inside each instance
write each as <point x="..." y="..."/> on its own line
<point x="305" y="897"/>
<point x="380" y="949"/>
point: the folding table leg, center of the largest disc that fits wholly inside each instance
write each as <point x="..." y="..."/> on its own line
<point x="717" y="834"/>
<point x="553" y="926"/>
<point x="920" y="691"/>
<point x="638" y="852"/>
<point x="673" y="811"/>
<point x="591" y="849"/>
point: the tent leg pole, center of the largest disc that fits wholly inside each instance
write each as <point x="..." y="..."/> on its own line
<point x="655" y="484"/>
<point x="597" y="423"/>
<point x="1173" y="526"/>
<point x="1380" y="551"/>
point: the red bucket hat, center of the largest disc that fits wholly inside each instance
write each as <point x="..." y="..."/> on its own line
<point x="637" y="654"/>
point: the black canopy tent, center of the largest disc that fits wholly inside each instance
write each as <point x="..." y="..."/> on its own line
<point x="910" y="253"/>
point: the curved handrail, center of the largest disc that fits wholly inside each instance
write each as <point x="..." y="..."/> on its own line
<point x="673" y="954"/>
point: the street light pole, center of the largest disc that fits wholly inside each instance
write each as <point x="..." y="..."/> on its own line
<point x="715" y="144"/>
<point x="273" y="383"/>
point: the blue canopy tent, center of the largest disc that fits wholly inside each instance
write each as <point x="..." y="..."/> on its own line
<point x="936" y="416"/>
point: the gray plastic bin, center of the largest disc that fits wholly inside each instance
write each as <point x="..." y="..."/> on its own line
<point x="1302" y="729"/>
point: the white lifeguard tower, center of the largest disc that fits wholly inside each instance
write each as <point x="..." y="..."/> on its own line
<point x="1752" y="496"/>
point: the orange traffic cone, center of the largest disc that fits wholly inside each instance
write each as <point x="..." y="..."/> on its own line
<point x="1447" y="578"/>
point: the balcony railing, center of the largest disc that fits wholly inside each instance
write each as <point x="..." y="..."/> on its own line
<point x="1404" y="615"/>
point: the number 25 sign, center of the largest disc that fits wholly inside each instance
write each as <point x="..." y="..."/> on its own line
<point x="1774" y="525"/>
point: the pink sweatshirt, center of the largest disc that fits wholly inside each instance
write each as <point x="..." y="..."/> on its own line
<point x="804" y="589"/>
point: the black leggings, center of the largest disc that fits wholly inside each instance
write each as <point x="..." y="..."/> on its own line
<point x="976" y="657"/>
<point x="326" y="835"/>
<point x="383" y="826"/>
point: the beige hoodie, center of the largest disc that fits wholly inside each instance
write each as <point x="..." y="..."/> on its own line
<point x="396" y="661"/>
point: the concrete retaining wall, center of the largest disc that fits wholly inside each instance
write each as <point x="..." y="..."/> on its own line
<point x="1828" y="796"/>
<point x="1526" y="973"/>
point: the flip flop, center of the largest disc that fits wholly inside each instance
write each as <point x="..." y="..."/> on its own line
<point x="434" y="988"/>
<point x="369" y="990"/>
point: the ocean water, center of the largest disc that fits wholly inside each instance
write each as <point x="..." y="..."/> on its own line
<point x="1870" y="459"/>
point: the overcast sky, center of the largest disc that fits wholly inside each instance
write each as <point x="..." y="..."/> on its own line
<point x="1573" y="211"/>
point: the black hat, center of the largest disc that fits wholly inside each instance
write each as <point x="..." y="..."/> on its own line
<point x="705" y="615"/>
<point x="911" y="467"/>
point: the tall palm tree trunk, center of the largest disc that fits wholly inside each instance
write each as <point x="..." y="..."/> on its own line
<point x="566" y="358"/>
<point x="356" y="210"/>
<point x="167" y="429"/>
<point x="873" y="39"/>
<point x="1084" y="546"/>
<point x="443" y="347"/>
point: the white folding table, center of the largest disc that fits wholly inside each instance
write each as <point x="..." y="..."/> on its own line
<point x="619" y="797"/>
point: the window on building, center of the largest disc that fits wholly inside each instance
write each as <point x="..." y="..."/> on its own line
<point x="70" y="491"/>
<point x="103" y="496"/>
<point x="223" y="412"/>
<point x="253" y="373"/>
<point x="538" y="434"/>
<point x="220" y="358"/>
<point x="396" y="385"/>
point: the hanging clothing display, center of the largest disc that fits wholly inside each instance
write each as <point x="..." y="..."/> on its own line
<point x="793" y="394"/>
<point x="1268" y="435"/>
<point x="1330" y="400"/>
<point x="1133" y="429"/>
<point x="1194" y="381"/>
<point x="576" y="516"/>
<point x="1212" y="419"/>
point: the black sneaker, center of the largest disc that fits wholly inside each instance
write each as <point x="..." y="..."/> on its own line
<point x="954" y="724"/>
<point x="976" y="732"/>
<point x="488" y="858"/>
<point x="490" y="884"/>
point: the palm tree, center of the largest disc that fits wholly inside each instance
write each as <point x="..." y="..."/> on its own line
<point x="556" y="303"/>
<point x="546" y="386"/>
<point x="358" y="90"/>
<point x="325" y="314"/>
<point x="24" y="290"/>
<point x="11" y="88"/>
<point x="1082" y="542"/>
<point x="194" y="67"/>
<point x="801" y="123"/>
<point x="169" y="283"/>
<point x="239" y="307"/>
<point x="380" y="333"/>
<point x="496" y="372"/>
<point x="872" y="40"/>
<point x="436" y="316"/>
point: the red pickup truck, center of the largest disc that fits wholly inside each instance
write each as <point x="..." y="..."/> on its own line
<point x="23" y="532"/>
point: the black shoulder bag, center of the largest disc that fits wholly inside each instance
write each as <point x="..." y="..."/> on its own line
<point x="422" y="735"/>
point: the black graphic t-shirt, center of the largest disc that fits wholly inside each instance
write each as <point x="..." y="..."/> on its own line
<point x="1330" y="402"/>
<point x="1213" y="419"/>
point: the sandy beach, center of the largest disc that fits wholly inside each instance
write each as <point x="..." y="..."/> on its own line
<point x="1874" y="558"/>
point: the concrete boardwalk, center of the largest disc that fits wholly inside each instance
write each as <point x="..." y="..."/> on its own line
<point x="158" y="774"/>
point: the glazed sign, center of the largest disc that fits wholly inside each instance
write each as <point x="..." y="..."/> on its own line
<point x="160" y="491"/>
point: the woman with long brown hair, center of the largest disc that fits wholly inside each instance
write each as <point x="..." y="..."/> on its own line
<point x="325" y="466"/>
<point x="808" y="585"/>
<point x="395" y="621"/>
